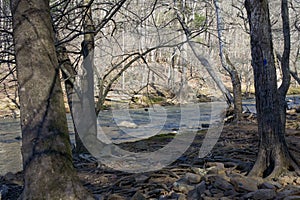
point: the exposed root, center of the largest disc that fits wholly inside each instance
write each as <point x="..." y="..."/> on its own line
<point x="259" y="166"/>
<point x="271" y="165"/>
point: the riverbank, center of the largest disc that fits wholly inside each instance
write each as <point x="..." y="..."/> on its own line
<point x="220" y="175"/>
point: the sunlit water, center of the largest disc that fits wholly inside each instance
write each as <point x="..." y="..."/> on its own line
<point x="149" y="122"/>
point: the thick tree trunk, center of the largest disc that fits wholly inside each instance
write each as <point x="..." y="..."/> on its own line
<point x="273" y="157"/>
<point x="46" y="150"/>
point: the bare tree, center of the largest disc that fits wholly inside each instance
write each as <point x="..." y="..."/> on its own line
<point x="46" y="150"/>
<point x="227" y="64"/>
<point x="273" y="156"/>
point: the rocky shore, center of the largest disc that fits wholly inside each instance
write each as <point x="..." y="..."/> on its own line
<point x="219" y="176"/>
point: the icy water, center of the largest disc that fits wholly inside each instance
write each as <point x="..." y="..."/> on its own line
<point x="139" y="124"/>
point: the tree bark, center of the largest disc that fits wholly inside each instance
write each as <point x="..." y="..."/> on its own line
<point x="273" y="156"/>
<point x="68" y="73"/>
<point x="228" y="66"/>
<point x="46" y="150"/>
<point x="228" y="97"/>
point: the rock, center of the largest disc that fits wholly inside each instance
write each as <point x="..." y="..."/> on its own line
<point x="182" y="187"/>
<point x="288" y="191"/>
<point x="98" y="197"/>
<point x="297" y="180"/>
<point x="201" y="187"/>
<point x="291" y="111"/>
<point x="141" y="178"/>
<point x="244" y="184"/>
<point x="199" y="171"/>
<point x="207" y="193"/>
<point x="215" y="168"/>
<point x="222" y="184"/>
<point x="181" y="197"/>
<point x="128" y="124"/>
<point x="210" y="198"/>
<point x="276" y="184"/>
<point x="225" y="198"/>
<point x="9" y="176"/>
<point x="115" y="197"/>
<point x="215" y="164"/>
<point x="215" y="191"/>
<point x="138" y="196"/>
<point x="286" y="180"/>
<point x="178" y="196"/>
<point x="193" y="178"/>
<point x="262" y="194"/>
<point x="231" y="193"/>
<point x="292" y="198"/>
<point x="267" y="185"/>
<point x="193" y="194"/>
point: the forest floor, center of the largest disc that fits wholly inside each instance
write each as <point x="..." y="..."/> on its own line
<point x="221" y="175"/>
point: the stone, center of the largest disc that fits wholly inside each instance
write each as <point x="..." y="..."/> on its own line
<point x="128" y="124"/>
<point x="181" y="197"/>
<point x="228" y="193"/>
<point x="215" y="164"/>
<point x="244" y="184"/>
<point x="276" y="184"/>
<point x="193" y="194"/>
<point x="138" y="196"/>
<point x="182" y="187"/>
<point x="178" y="196"/>
<point x="291" y="111"/>
<point x="215" y="168"/>
<point x="267" y="185"/>
<point x="199" y="171"/>
<point x="225" y="198"/>
<point x="193" y="178"/>
<point x="210" y="198"/>
<point x="288" y="191"/>
<point x="297" y="180"/>
<point x="98" y="197"/>
<point x="201" y="187"/>
<point x="286" y="180"/>
<point x="215" y="191"/>
<point x="207" y="193"/>
<point x="292" y="198"/>
<point x="222" y="184"/>
<point x="141" y="178"/>
<point x="115" y="197"/>
<point x="264" y="194"/>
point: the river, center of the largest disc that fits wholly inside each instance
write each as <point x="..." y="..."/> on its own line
<point x="148" y="122"/>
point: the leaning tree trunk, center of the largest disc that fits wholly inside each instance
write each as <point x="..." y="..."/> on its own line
<point x="228" y="66"/>
<point x="68" y="73"/>
<point x="273" y="156"/>
<point x="205" y="63"/>
<point x="46" y="150"/>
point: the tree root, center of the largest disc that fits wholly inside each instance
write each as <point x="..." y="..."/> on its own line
<point x="270" y="165"/>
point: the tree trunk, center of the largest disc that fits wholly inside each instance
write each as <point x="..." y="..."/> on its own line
<point x="205" y="63"/>
<point x="273" y="157"/>
<point x="237" y="90"/>
<point x="87" y="80"/>
<point x="228" y="66"/>
<point x="68" y="74"/>
<point x="46" y="150"/>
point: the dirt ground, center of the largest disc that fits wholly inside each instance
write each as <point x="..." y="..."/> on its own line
<point x="220" y="175"/>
